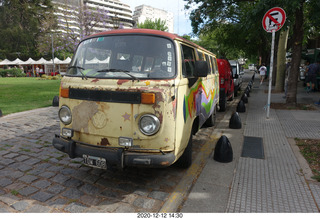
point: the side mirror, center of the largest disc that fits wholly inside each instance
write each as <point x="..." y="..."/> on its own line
<point x="201" y="69"/>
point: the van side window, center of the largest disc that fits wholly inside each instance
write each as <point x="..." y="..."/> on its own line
<point x="201" y="56"/>
<point x="209" y="64"/>
<point x="188" y="64"/>
<point x="215" y="67"/>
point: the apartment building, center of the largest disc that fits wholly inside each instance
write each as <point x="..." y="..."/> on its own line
<point x="144" y="12"/>
<point x="92" y="16"/>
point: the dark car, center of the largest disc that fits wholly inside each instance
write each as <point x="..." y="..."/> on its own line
<point x="226" y="83"/>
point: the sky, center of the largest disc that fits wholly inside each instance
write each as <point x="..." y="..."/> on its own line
<point x="182" y="24"/>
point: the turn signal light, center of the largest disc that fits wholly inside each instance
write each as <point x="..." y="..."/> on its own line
<point x="148" y="98"/>
<point x="64" y="92"/>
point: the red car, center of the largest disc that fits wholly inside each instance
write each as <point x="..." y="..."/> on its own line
<point x="226" y="83"/>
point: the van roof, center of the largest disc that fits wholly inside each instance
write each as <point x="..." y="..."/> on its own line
<point x="148" y="32"/>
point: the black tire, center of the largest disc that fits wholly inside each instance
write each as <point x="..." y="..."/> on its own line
<point x="232" y="97"/>
<point x="223" y="104"/>
<point x="185" y="160"/>
<point x="211" y="121"/>
<point x="236" y="91"/>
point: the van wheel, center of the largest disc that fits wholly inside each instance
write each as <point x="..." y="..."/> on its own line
<point x="211" y="121"/>
<point x="223" y="104"/>
<point x="185" y="160"/>
<point x="236" y="91"/>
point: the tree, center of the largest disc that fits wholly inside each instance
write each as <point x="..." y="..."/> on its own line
<point x="77" y="22"/>
<point x="20" y="23"/>
<point x="246" y="15"/>
<point x="281" y="60"/>
<point x="157" y="24"/>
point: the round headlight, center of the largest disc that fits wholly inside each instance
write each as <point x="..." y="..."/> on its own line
<point x="65" y="115"/>
<point x="149" y="124"/>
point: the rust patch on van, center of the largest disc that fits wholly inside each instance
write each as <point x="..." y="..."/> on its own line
<point x="95" y="80"/>
<point x="104" y="141"/>
<point x="121" y="81"/>
<point x="82" y="114"/>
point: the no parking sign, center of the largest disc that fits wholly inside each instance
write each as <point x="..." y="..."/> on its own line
<point x="274" y="19"/>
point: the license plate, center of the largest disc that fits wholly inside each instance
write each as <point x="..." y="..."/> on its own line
<point x="97" y="162"/>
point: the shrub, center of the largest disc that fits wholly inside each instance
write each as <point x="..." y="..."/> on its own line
<point x="13" y="72"/>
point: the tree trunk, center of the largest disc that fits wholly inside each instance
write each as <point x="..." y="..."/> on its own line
<point x="281" y="60"/>
<point x="296" y="56"/>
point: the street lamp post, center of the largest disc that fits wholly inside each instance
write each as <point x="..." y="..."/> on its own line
<point x="116" y="22"/>
<point x="52" y="52"/>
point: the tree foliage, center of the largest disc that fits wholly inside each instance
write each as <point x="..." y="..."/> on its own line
<point x="235" y="25"/>
<point x="157" y="24"/>
<point x="20" y="23"/>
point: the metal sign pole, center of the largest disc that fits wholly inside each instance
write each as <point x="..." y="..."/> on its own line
<point x="270" y="74"/>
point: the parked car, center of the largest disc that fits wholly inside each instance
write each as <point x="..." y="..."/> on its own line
<point x="252" y="67"/>
<point x="237" y="74"/>
<point x="226" y="83"/>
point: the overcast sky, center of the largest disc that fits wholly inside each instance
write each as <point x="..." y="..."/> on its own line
<point x="182" y="24"/>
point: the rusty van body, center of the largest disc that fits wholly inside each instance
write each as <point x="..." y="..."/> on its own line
<point x="135" y="98"/>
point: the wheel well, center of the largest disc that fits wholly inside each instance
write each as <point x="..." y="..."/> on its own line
<point x="195" y="125"/>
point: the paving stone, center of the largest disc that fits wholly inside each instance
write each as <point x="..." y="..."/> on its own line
<point x="73" y="183"/>
<point x="22" y="158"/>
<point x="158" y="195"/>
<point x="56" y="189"/>
<point x="38" y="209"/>
<point x="21" y="205"/>
<point x="32" y="161"/>
<point x="42" y="184"/>
<point x="42" y="196"/>
<point x="4" y="182"/>
<point x="145" y="203"/>
<point x="9" y="199"/>
<point x="47" y="174"/>
<point x="24" y="167"/>
<point x="11" y="155"/>
<point x="28" y="191"/>
<point x="58" y="203"/>
<point x="6" y="161"/>
<point x="75" y="208"/>
<point x="60" y="178"/>
<point x="72" y="193"/>
<point x="28" y="178"/>
<point x="90" y="189"/>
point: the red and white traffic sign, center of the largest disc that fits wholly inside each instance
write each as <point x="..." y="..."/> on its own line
<point x="274" y="19"/>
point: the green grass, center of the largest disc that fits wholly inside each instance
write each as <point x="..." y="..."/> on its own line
<point x="21" y="94"/>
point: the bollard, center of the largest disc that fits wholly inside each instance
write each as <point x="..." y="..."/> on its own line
<point x="223" y="151"/>
<point x="244" y="98"/>
<point x="0" y="113"/>
<point x="235" y="121"/>
<point x="55" y="101"/>
<point x="241" y="108"/>
<point x="247" y="92"/>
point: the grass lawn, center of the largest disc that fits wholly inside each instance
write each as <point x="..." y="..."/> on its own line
<point x="21" y="94"/>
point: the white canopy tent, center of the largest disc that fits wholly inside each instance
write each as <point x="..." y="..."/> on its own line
<point x="48" y="65"/>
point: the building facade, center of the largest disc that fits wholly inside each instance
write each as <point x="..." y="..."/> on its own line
<point x="144" y="12"/>
<point x="85" y="17"/>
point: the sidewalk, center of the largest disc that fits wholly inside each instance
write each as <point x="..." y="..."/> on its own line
<point x="277" y="183"/>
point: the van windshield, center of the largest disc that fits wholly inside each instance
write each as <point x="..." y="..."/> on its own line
<point x="130" y="56"/>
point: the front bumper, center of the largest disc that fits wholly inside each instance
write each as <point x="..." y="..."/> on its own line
<point x="115" y="157"/>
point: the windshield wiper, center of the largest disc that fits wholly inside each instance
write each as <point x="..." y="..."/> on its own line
<point x="118" y="70"/>
<point x="80" y="69"/>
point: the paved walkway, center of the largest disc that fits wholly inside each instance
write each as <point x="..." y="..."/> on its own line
<point x="278" y="182"/>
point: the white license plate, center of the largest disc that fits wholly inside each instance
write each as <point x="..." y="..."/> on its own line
<point x="92" y="161"/>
